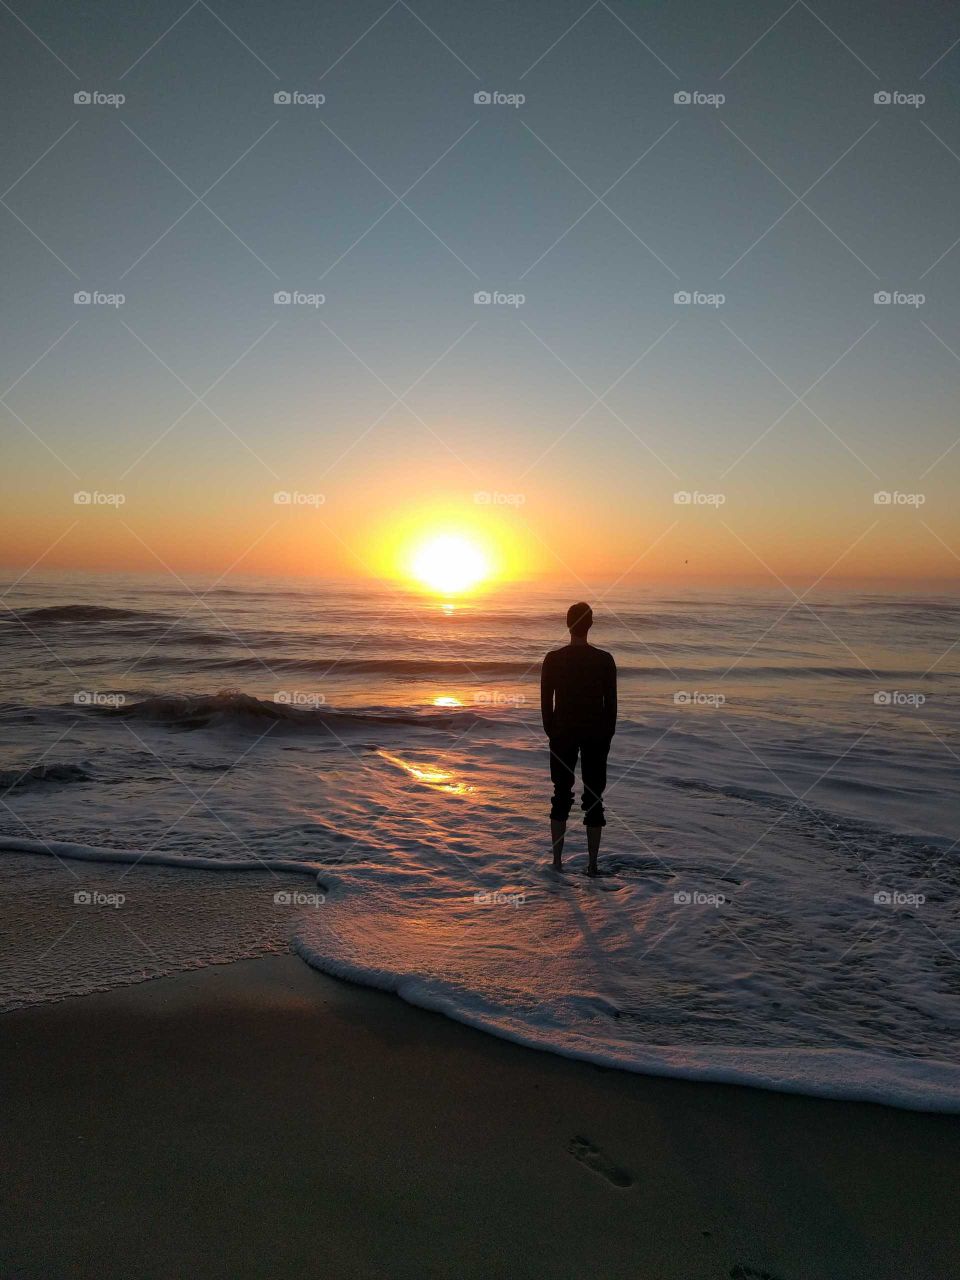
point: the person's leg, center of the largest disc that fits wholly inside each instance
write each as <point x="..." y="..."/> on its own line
<point x="558" y="829"/>
<point x="563" y="757"/>
<point x="593" y="848"/>
<point x="593" y="767"/>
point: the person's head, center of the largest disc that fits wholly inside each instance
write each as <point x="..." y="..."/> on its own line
<point x="579" y="620"/>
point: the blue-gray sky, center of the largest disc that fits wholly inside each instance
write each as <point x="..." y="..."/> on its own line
<point x="598" y="199"/>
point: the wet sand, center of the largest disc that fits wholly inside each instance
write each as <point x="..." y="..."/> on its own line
<point x="261" y="1120"/>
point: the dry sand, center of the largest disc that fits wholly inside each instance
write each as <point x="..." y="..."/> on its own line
<point x="261" y="1120"/>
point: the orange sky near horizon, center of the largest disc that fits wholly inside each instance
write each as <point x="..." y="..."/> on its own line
<point x="532" y="540"/>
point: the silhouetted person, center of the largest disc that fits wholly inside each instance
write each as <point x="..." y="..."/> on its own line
<point x="578" y="704"/>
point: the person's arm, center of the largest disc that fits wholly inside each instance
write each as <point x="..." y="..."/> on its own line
<point x="546" y="696"/>
<point x="610" y="697"/>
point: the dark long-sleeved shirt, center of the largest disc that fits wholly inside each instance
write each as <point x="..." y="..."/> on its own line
<point x="578" y="692"/>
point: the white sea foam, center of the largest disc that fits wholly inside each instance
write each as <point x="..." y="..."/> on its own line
<point x="777" y="907"/>
<point x="394" y="931"/>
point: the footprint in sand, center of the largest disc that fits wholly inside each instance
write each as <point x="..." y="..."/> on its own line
<point x="582" y="1149"/>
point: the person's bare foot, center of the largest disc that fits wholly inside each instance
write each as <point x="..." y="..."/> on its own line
<point x="593" y="849"/>
<point x="557" y="832"/>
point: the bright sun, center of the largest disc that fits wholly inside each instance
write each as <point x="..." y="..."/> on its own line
<point x="449" y="563"/>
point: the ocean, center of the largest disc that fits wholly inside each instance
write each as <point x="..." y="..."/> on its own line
<point x="195" y="773"/>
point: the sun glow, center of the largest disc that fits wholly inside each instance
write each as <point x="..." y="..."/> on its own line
<point x="451" y="549"/>
<point x="449" y="563"/>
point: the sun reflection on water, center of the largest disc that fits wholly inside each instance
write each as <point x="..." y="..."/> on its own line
<point x="431" y="776"/>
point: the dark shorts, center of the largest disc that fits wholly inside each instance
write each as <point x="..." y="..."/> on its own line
<point x="593" y="753"/>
